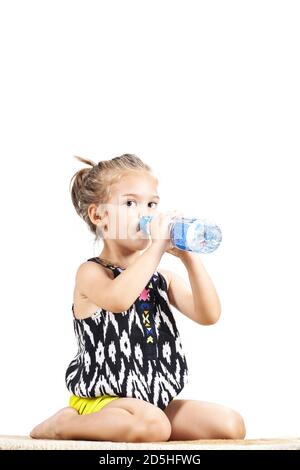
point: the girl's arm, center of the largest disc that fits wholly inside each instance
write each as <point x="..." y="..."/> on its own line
<point x="131" y="282"/>
<point x="118" y="294"/>
<point x="200" y="303"/>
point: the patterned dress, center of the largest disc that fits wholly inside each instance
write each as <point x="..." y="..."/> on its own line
<point x="136" y="353"/>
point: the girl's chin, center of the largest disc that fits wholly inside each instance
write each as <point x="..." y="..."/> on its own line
<point x="140" y="237"/>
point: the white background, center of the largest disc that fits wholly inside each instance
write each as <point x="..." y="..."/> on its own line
<point x="207" y="93"/>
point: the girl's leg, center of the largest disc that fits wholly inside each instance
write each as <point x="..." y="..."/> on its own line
<point x="122" y="420"/>
<point x="192" y="419"/>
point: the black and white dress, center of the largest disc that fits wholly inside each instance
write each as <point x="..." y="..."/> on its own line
<point x="136" y="353"/>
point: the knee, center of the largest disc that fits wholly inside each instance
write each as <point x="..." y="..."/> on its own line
<point x="152" y="427"/>
<point x="234" y="426"/>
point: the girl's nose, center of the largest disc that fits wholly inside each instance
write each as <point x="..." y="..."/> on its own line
<point x="144" y="211"/>
<point x="141" y="214"/>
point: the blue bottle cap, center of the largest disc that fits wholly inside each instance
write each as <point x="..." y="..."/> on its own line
<point x="144" y="223"/>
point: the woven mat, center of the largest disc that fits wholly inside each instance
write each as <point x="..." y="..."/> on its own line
<point x="26" y="443"/>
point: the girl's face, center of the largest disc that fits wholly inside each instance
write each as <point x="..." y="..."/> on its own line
<point x="132" y="197"/>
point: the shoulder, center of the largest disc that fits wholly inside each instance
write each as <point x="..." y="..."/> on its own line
<point x="89" y="270"/>
<point x="167" y="275"/>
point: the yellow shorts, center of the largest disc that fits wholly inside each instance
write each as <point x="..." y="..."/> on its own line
<point x="85" y="406"/>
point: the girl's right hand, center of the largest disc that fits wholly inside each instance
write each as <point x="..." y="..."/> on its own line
<point x="159" y="229"/>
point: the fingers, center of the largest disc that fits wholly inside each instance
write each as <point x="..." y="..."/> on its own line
<point x="175" y="213"/>
<point x="169" y="215"/>
<point x="161" y="222"/>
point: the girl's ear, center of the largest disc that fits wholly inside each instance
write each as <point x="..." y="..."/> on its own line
<point x="98" y="216"/>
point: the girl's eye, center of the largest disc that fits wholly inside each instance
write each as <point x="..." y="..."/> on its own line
<point x="128" y="203"/>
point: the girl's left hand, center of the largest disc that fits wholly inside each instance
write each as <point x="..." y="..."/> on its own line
<point x="175" y="251"/>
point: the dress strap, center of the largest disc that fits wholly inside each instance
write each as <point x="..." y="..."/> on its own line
<point x="116" y="269"/>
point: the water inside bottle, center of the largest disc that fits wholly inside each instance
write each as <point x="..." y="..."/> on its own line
<point x="200" y="236"/>
<point x="203" y="236"/>
<point x="190" y="233"/>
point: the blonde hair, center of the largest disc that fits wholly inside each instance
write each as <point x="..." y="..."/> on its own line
<point x="93" y="185"/>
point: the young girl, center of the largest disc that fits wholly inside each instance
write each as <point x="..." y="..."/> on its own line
<point x="130" y="364"/>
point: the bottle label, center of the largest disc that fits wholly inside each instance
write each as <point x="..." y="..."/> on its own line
<point x="180" y="232"/>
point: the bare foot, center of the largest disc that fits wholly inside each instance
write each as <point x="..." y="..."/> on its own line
<point x="49" y="429"/>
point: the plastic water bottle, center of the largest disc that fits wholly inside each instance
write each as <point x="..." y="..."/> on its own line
<point x="190" y="234"/>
